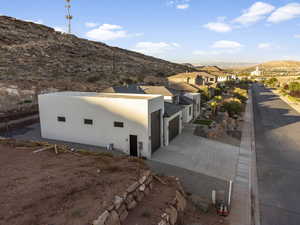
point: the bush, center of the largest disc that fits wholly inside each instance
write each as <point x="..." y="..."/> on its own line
<point x="240" y="94"/>
<point x="233" y="107"/>
<point x="294" y="89"/>
<point x="272" y="82"/>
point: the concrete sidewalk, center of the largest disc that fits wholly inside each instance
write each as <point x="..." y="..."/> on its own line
<point x="244" y="208"/>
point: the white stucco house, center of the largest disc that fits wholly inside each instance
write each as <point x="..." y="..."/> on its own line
<point x="136" y="124"/>
<point x="196" y="98"/>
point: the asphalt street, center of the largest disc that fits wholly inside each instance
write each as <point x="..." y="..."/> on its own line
<point x="277" y="133"/>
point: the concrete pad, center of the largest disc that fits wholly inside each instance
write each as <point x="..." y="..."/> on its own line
<point x="200" y="155"/>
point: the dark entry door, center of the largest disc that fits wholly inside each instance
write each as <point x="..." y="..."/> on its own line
<point x="174" y="128"/>
<point x="133" y="145"/>
<point x="155" y="130"/>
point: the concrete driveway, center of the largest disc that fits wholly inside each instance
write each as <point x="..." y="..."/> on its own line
<point x="200" y="155"/>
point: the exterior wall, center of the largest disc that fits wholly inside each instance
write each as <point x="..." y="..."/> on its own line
<point x="166" y="126"/>
<point x="196" y="97"/>
<point x="186" y="117"/>
<point x="168" y="99"/>
<point x="104" y="111"/>
<point x="155" y="105"/>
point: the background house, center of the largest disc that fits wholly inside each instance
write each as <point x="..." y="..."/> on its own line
<point x="132" y="123"/>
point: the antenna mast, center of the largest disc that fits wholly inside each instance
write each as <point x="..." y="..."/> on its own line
<point x="69" y="17"/>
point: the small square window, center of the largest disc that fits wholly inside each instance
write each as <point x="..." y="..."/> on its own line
<point x="61" y="119"/>
<point x="88" y="121"/>
<point x="118" y="124"/>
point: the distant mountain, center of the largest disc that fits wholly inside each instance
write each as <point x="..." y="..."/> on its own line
<point x="273" y="68"/>
<point x="30" y="51"/>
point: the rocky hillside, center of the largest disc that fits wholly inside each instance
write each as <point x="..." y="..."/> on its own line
<point x="276" y="68"/>
<point x="30" y="51"/>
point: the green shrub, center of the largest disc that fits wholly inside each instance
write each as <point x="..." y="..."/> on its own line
<point x="233" y="107"/>
<point x="272" y="82"/>
<point x="203" y="122"/>
<point x="294" y="89"/>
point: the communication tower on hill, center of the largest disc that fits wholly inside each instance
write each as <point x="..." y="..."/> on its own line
<point x="69" y="17"/>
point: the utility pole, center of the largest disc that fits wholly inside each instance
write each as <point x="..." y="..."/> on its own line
<point x="69" y="17"/>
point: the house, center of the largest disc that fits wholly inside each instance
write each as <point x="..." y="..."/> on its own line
<point x="192" y="78"/>
<point x="170" y="95"/>
<point x="136" y="124"/>
<point x="226" y="77"/>
<point x="196" y="99"/>
<point x="199" y="78"/>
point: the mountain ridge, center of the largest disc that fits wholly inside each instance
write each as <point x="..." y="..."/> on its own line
<point x="36" y="52"/>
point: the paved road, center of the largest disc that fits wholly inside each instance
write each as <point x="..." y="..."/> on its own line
<point x="277" y="133"/>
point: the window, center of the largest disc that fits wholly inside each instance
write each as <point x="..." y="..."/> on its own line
<point x="61" y="119"/>
<point x="88" y="121"/>
<point x="190" y="111"/>
<point x="212" y="79"/>
<point x="118" y="124"/>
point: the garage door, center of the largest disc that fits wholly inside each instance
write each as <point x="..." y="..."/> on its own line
<point x="155" y="130"/>
<point x="174" y="128"/>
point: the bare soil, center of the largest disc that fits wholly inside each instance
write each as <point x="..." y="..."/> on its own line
<point x="69" y="189"/>
<point x="150" y="209"/>
<point x="194" y="216"/>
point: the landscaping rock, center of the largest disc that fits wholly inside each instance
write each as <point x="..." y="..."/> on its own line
<point x="131" y="205"/>
<point x="118" y="201"/>
<point x="123" y="215"/>
<point x="101" y="220"/>
<point x="132" y="187"/>
<point x="172" y="212"/>
<point x="181" y="202"/>
<point x="142" y="187"/>
<point x="139" y="196"/>
<point x="142" y="180"/>
<point x="163" y="222"/>
<point x="113" y="219"/>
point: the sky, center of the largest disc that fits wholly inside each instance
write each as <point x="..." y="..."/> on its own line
<point x="184" y="31"/>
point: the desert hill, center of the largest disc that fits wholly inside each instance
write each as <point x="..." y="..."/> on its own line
<point x="30" y="51"/>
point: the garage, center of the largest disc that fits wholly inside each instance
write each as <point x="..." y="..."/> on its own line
<point x="155" y="130"/>
<point x="172" y="122"/>
<point x="174" y="128"/>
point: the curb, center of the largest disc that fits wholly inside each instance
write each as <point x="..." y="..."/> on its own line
<point x="255" y="207"/>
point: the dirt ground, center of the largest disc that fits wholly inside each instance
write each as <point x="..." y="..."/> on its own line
<point x="194" y="216"/>
<point x="45" y="188"/>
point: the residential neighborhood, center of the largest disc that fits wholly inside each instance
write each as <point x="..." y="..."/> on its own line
<point x="177" y="112"/>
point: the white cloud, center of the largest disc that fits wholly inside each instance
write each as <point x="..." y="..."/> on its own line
<point x="59" y="29"/>
<point x="179" y="4"/>
<point x="264" y="45"/>
<point x="218" y="27"/>
<point x="256" y="12"/>
<point x="223" y="44"/>
<point x="287" y="12"/>
<point x="107" y="32"/>
<point x="297" y="36"/>
<point x="183" y="6"/>
<point x="91" y="24"/>
<point x="155" y="48"/>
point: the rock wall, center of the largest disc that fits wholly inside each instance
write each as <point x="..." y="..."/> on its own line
<point x="123" y="204"/>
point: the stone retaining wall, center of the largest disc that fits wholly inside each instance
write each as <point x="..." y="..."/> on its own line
<point x="135" y="193"/>
<point x="174" y="213"/>
<point x="119" y="210"/>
